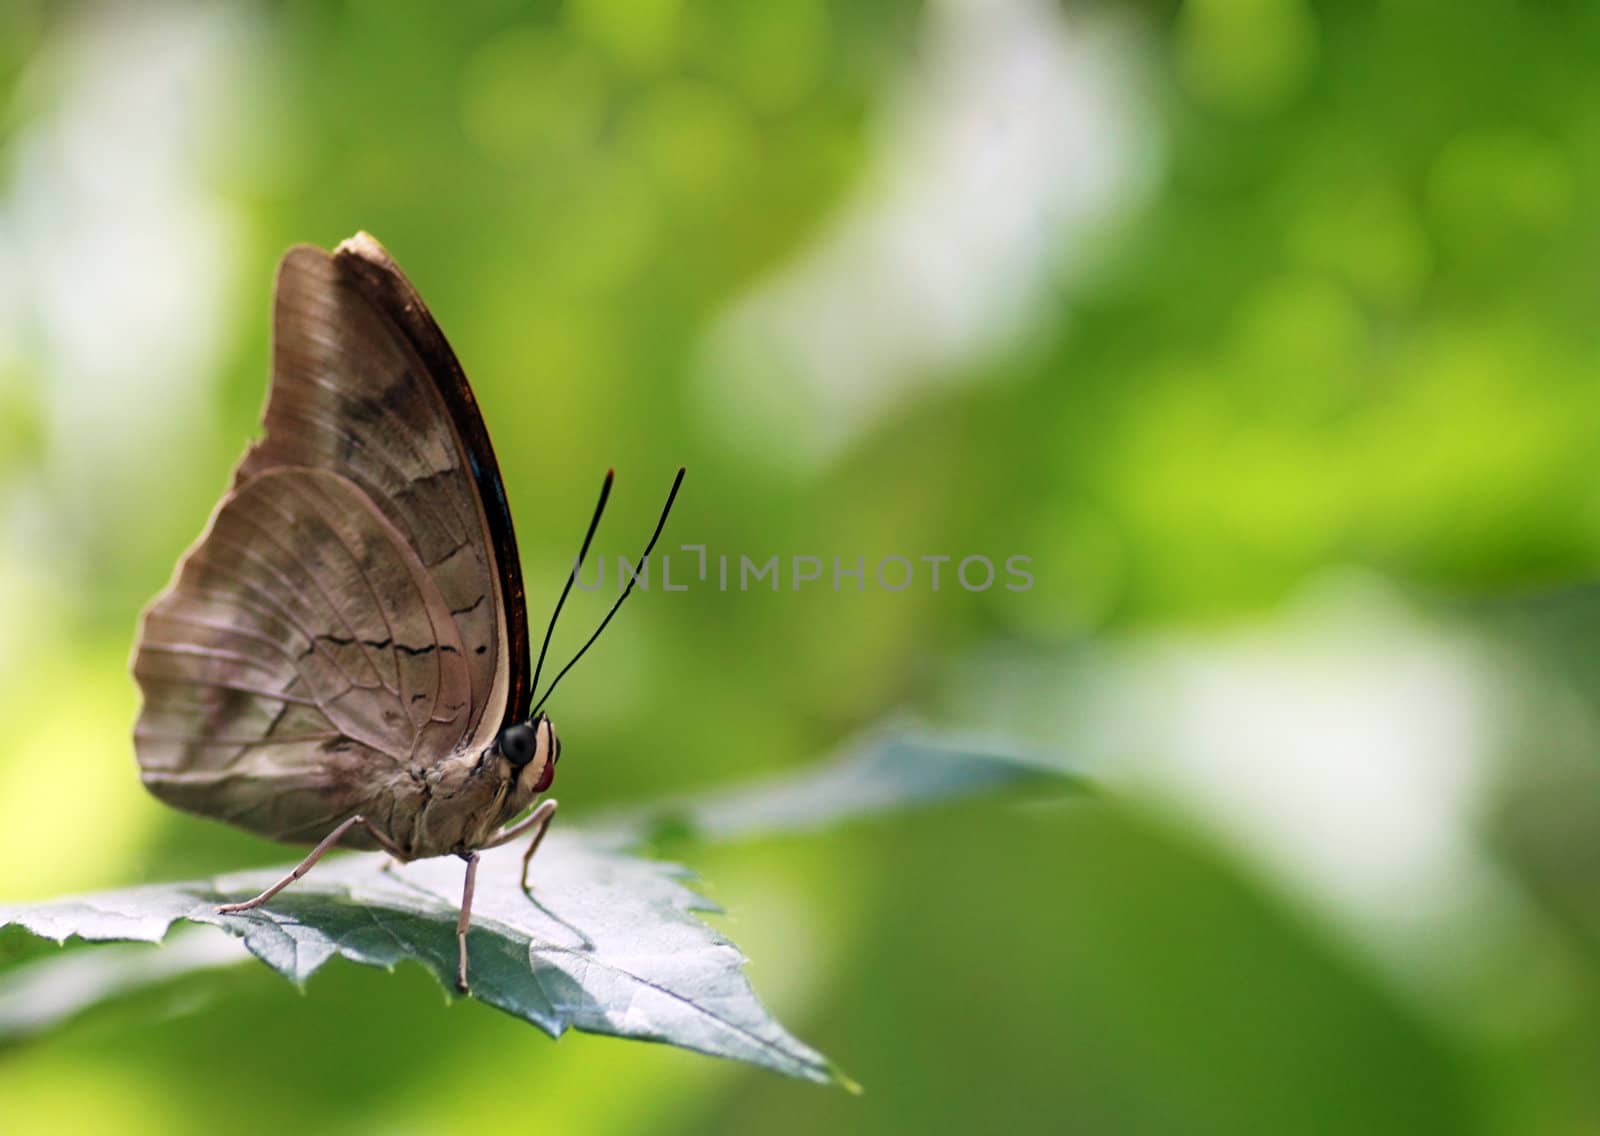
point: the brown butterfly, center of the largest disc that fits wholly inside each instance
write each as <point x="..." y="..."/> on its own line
<point x="342" y="657"/>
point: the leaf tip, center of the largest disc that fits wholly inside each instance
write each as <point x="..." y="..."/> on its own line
<point x="844" y="1080"/>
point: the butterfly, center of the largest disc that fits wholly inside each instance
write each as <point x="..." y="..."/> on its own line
<point x="342" y="658"/>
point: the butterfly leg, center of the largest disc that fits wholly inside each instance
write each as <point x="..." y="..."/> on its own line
<point x="310" y="861"/>
<point x="548" y="808"/>
<point x="539" y="822"/>
<point x="465" y="919"/>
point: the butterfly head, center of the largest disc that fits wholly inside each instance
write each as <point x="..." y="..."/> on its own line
<point x="533" y="749"/>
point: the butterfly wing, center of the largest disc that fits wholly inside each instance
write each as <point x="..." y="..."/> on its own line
<point x="301" y="664"/>
<point x="365" y="385"/>
<point x="354" y="611"/>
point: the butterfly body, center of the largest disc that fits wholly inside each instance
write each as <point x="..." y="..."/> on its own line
<point x="461" y="803"/>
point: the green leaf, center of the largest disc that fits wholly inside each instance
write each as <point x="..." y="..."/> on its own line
<point x="43" y="992"/>
<point x="608" y="942"/>
<point x="887" y="770"/>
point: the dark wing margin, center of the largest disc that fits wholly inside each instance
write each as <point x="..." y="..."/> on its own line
<point x="387" y="289"/>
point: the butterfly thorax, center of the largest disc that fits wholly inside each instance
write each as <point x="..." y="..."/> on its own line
<point x="459" y="804"/>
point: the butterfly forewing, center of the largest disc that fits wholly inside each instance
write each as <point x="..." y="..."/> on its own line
<point x="364" y="384"/>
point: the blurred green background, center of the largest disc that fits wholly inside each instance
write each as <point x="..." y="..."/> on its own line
<point x="1266" y="328"/>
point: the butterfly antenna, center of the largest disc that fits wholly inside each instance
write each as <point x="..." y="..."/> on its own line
<point x="632" y="580"/>
<point x="594" y="523"/>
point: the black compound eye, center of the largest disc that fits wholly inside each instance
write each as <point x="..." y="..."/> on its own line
<point x="518" y="745"/>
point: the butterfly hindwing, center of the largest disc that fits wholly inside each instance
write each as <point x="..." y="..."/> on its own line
<point x="301" y="660"/>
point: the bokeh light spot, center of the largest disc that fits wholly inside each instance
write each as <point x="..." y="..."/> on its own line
<point x="1246" y="56"/>
<point x="1491" y="189"/>
<point x="531" y="97"/>
<point x="694" y="139"/>
<point x="639" y="34"/>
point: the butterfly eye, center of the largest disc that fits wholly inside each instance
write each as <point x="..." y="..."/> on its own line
<point x="517" y="744"/>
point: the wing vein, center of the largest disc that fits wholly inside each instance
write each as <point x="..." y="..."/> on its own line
<point x="289" y="587"/>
